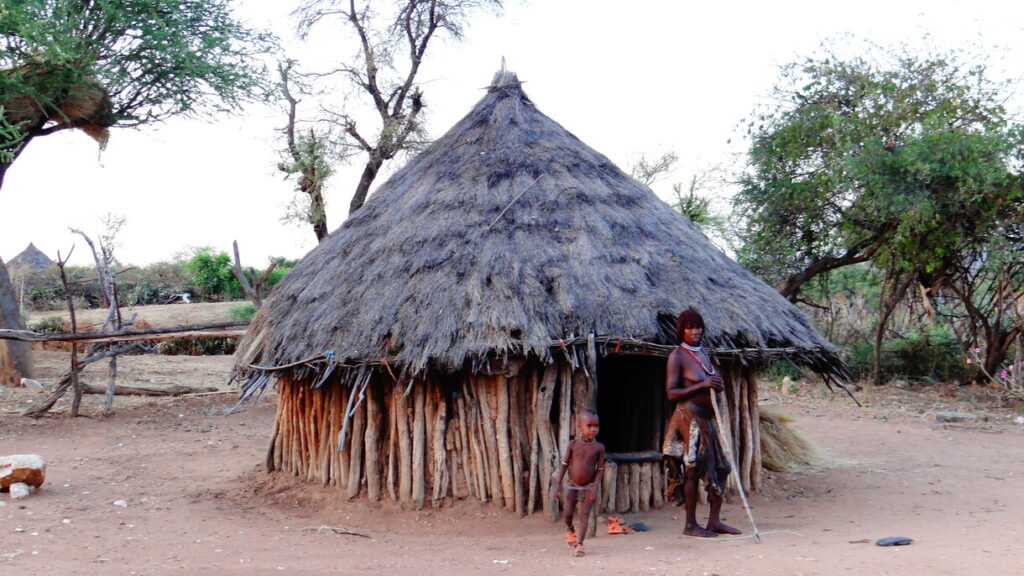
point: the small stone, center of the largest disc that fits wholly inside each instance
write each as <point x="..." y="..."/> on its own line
<point x="894" y="541"/>
<point x="954" y="417"/>
<point x="1019" y="419"/>
<point x="19" y="490"/>
<point x="120" y="503"/>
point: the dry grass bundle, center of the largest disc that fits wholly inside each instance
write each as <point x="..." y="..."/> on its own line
<point x="783" y="449"/>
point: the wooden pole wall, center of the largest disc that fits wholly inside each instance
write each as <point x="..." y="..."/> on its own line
<point x="492" y="437"/>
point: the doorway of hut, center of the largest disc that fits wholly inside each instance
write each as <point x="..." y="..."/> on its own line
<point x="631" y="405"/>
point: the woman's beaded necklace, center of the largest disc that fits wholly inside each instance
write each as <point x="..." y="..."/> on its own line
<point x="693" y="350"/>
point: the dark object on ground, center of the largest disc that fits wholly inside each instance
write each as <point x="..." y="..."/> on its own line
<point x="893" y="541"/>
<point x="639" y="527"/>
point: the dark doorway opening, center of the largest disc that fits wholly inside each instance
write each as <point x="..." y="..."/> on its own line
<point x="631" y="402"/>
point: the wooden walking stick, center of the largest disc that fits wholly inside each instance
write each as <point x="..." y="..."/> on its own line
<point x="732" y="463"/>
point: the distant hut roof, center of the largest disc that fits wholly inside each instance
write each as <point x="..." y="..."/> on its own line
<point x="31" y="260"/>
<point x="503" y="237"/>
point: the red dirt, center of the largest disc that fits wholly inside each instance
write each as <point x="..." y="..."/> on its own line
<point x="198" y="502"/>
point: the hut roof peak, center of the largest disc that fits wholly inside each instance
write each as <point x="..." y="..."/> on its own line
<point x="504" y="79"/>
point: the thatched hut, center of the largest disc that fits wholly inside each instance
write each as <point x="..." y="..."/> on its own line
<point x="29" y="262"/>
<point x="446" y="335"/>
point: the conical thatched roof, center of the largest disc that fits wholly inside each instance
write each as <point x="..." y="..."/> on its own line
<point x="31" y="260"/>
<point x="506" y="234"/>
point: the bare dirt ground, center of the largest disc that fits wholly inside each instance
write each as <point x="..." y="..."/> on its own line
<point x="173" y="486"/>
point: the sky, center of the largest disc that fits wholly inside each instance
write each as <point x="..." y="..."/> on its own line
<point x="628" y="79"/>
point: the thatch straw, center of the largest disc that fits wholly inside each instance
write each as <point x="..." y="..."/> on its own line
<point x="783" y="449"/>
<point x="505" y="236"/>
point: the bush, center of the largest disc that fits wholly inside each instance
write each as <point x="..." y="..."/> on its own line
<point x="933" y="354"/>
<point x="49" y="325"/>
<point x="205" y="346"/>
<point x="242" y="312"/>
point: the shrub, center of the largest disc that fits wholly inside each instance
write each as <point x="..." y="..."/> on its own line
<point x="205" y="346"/>
<point x="49" y="325"/>
<point x="242" y="312"/>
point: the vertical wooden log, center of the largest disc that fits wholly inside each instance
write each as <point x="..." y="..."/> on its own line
<point x="440" y="463"/>
<point x="342" y="461"/>
<point x="634" y="479"/>
<point x="466" y="452"/>
<point x="515" y="423"/>
<point x="657" y="485"/>
<point x="431" y="392"/>
<point x="645" y="486"/>
<point x="579" y="399"/>
<point x="590" y="400"/>
<point x="464" y="448"/>
<point x="490" y="440"/>
<point x="298" y="393"/>
<point x="608" y="487"/>
<point x="391" y="403"/>
<point x="504" y="449"/>
<point x="546" y="436"/>
<point x="274" y="451"/>
<point x="404" y="445"/>
<point x="565" y="431"/>
<point x="476" y="440"/>
<point x="357" y="428"/>
<point x="316" y="445"/>
<point x="534" y="474"/>
<point x="622" y="489"/>
<point x="755" y="438"/>
<point x="746" y="455"/>
<point x="372" y="447"/>
<point x="419" y="445"/>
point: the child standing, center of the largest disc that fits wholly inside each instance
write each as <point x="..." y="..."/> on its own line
<point x="584" y="459"/>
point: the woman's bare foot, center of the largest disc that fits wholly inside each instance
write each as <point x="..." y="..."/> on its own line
<point x="698" y="531"/>
<point x="721" y="528"/>
<point x="577" y="550"/>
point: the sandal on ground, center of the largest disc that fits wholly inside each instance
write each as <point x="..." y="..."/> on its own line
<point x="615" y="525"/>
<point x="577" y="550"/>
<point x="570" y="537"/>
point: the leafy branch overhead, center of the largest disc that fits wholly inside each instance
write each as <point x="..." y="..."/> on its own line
<point x="910" y="162"/>
<point x="98" y="64"/>
<point x="900" y="159"/>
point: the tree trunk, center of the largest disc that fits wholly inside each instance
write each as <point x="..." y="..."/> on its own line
<point x="15" y="357"/>
<point x="888" y="305"/>
<point x="365" y="181"/>
<point x="319" y="211"/>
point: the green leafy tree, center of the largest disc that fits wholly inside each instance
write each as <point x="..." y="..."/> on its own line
<point x="212" y="275"/>
<point x="99" y="64"/>
<point x="889" y="157"/>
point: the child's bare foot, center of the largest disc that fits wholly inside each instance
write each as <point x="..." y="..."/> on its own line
<point x="698" y="531"/>
<point x="577" y="550"/>
<point x="721" y="528"/>
<point x="570" y="537"/>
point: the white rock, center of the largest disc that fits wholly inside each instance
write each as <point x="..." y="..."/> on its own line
<point x="19" y="490"/>
<point x="30" y="383"/>
<point x="120" y="503"/>
<point x="954" y="417"/>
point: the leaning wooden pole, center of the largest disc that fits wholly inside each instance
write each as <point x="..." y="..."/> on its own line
<point x="732" y="462"/>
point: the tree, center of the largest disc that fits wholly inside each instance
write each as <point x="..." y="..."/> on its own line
<point x="308" y="153"/>
<point x="99" y="64"/>
<point x="391" y="50"/>
<point x="986" y="286"/>
<point x="893" y="158"/>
